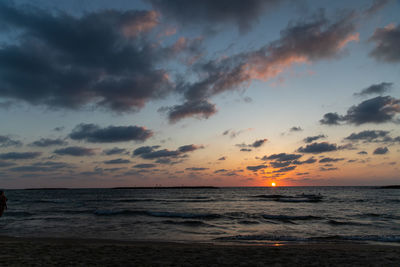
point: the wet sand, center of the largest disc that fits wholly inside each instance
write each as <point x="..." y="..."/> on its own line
<point x="90" y="252"/>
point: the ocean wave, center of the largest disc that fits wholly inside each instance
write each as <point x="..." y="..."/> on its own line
<point x="290" y="218"/>
<point x="311" y="198"/>
<point x="18" y="213"/>
<point x="334" y="222"/>
<point x="192" y="223"/>
<point x="157" y="214"/>
<point x="335" y="238"/>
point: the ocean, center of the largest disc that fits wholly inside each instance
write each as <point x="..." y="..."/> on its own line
<point x="282" y="214"/>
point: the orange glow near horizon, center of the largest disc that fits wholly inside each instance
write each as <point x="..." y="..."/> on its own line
<point x="273" y="184"/>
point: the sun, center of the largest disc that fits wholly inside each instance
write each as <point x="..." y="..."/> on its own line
<point x="273" y="184"/>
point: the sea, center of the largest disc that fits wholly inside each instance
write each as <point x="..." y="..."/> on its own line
<point x="245" y="214"/>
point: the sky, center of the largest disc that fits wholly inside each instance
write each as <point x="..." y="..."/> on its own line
<point x="199" y="93"/>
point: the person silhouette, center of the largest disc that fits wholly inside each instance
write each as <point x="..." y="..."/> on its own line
<point x="3" y="203"/>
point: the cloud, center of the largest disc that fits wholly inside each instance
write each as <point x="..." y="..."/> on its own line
<point x="255" y="144"/>
<point x="106" y="59"/>
<point x="311" y="139"/>
<point x="318" y="148"/>
<point x="363" y="153"/>
<point x="222" y="158"/>
<point x="282" y="157"/>
<point x="381" y="151"/>
<point x="76" y="151"/>
<point x="371" y="136"/>
<point x="308" y="40"/>
<point x="376" y="6"/>
<point x="331" y="119"/>
<point x="211" y="13"/>
<point x="6" y="141"/>
<point x="20" y="155"/>
<point x="380" y="109"/>
<point x="387" y="43"/>
<point x="48" y="166"/>
<point x="189" y="148"/>
<point x="46" y="142"/>
<point x="115" y="151"/>
<point x="280" y="164"/>
<point x="200" y="109"/>
<point x="256" y="168"/>
<point x="196" y="169"/>
<point x="94" y="134"/>
<point x="145" y="166"/>
<point x="59" y="129"/>
<point x="326" y="160"/>
<point x="6" y="164"/>
<point x="233" y="133"/>
<point x="220" y="171"/>
<point x="286" y="169"/>
<point x="379" y="89"/>
<point x="245" y="150"/>
<point x="307" y="161"/>
<point x="150" y="152"/>
<point x="117" y="161"/>
<point x="295" y="129"/>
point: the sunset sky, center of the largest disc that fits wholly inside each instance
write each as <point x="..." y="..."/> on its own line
<point x="200" y="92"/>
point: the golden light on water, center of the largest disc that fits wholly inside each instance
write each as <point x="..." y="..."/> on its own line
<point x="273" y="184"/>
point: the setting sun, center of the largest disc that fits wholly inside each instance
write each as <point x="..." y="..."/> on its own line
<point x="273" y="184"/>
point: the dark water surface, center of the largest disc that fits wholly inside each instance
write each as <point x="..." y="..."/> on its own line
<point x="227" y="214"/>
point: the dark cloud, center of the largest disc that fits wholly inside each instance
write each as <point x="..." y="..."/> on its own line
<point x="376" y="110"/>
<point x="117" y="161"/>
<point x="196" y="169"/>
<point x="220" y="171"/>
<point x="59" y="129"/>
<point x="233" y="133"/>
<point x="222" y="158"/>
<point x="189" y="148"/>
<point x="325" y="160"/>
<point x="77" y="151"/>
<point x="145" y="166"/>
<point x="48" y="166"/>
<point x="282" y="157"/>
<point x="311" y="139"/>
<point x="280" y="164"/>
<point x="331" y="119"/>
<point x="370" y="136"/>
<point x="115" y="151"/>
<point x="379" y="89"/>
<point x="307" y="40"/>
<point x="46" y="142"/>
<point x="6" y="164"/>
<point x="387" y="43"/>
<point x="286" y="169"/>
<point x="258" y="143"/>
<point x="307" y="161"/>
<point x="211" y="13"/>
<point x="363" y="153"/>
<point x="94" y="134"/>
<point x="256" y="168"/>
<point x="201" y="109"/>
<point x="318" y="148"/>
<point x="20" y="155"/>
<point x="105" y="59"/>
<point x="376" y="6"/>
<point x="380" y="109"/>
<point x="381" y="151"/>
<point x="6" y="141"/>
<point x="150" y="152"/>
<point x="255" y="144"/>
<point x="295" y="129"/>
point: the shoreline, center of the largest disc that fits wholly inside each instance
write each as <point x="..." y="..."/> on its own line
<point x="48" y="251"/>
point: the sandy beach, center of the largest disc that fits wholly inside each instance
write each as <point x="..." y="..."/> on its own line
<point x="90" y="252"/>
